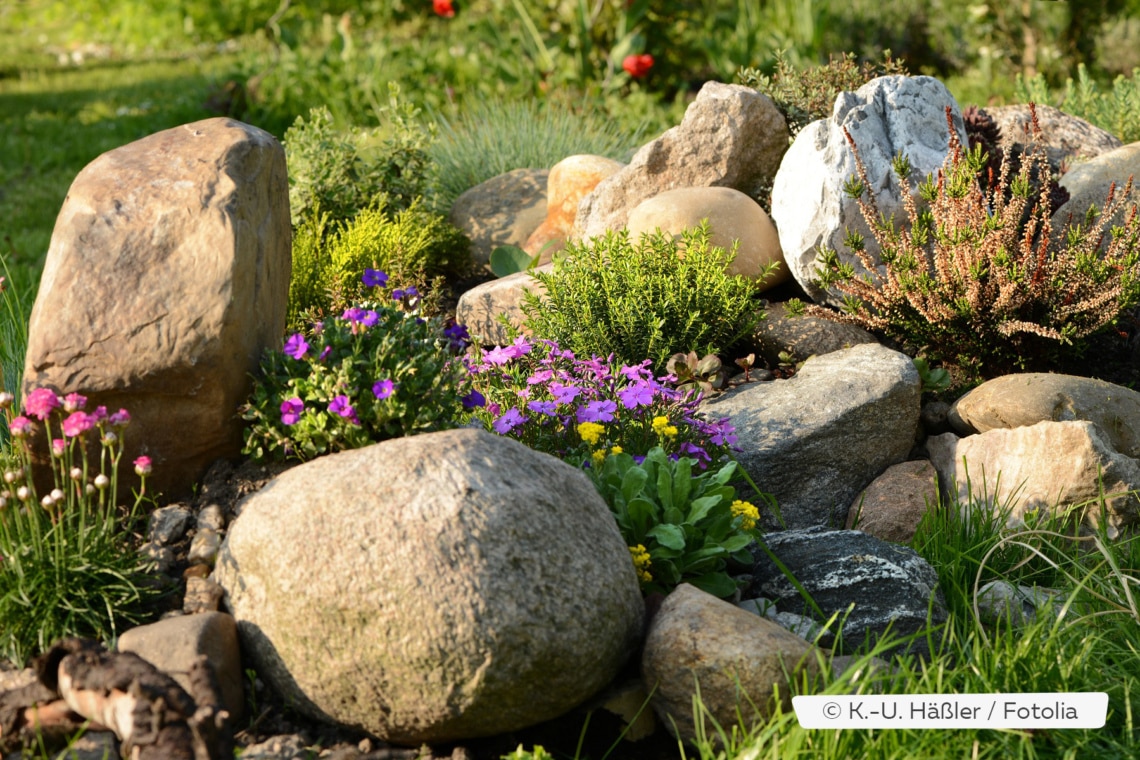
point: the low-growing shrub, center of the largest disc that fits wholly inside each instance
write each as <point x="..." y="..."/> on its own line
<point x="681" y="527"/>
<point x="582" y="410"/>
<point x="408" y="243"/>
<point x="67" y="566"/>
<point x="374" y="372"/>
<point x="969" y="284"/>
<point x="1117" y="111"/>
<point x="653" y="298"/>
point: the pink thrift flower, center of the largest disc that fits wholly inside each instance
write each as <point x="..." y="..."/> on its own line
<point x="143" y="466"/>
<point x="20" y="426"/>
<point x="41" y="402"/>
<point x="120" y="419"/>
<point x="58" y="446"/>
<point x="73" y="402"/>
<point x="77" y="424"/>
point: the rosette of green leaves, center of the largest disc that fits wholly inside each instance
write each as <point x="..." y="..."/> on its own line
<point x="684" y="521"/>
<point x="346" y="359"/>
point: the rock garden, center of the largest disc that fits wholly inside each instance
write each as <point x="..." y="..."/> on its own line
<point x="608" y="459"/>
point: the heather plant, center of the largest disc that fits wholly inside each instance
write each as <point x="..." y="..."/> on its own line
<point x="583" y="410"/>
<point x="653" y="298"/>
<point x="681" y="527"/>
<point x="971" y="285"/>
<point x="67" y="566"/>
<point x="410" y="243"/>
<point x="376" y="371"/>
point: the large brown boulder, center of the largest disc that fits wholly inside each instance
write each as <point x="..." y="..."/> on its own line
<point x="167" y="278"/>
<point x="432" y="588"/>
<point x="504" y="210"/>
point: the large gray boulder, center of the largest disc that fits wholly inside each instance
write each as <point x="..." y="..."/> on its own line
<point x="731" y="136"/>
<point x="1055" y="467"/>
<point x="432" y="588"/>
<point x="734" y="660"/>
<point x="1027" y="398"/>
<point x="817" y="439"/>
<point x="1067" y="139"/>
<point x="890" y="586"/>
<point x="166" y="280"/>
<point x="1088" y="185"/>
<point x="886" y="116"/>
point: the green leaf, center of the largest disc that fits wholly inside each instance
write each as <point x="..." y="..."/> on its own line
<point x="682" y="480"/>
<point x="737" y="542"/>
<point x="633" y="483"/>
<point x="670" y="536"/>
<point x="717" y="584"/>
<point x="641" y="513"/>
<point x="665" y="488"/>
<point x="510" y="259"/>
<point x="700" y="507"/>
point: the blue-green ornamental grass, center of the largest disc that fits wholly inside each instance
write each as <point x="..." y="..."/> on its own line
<point x="680" y="527"/>
<point x="377" y="371"/>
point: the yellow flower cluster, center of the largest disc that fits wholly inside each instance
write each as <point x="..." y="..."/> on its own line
<point x="616" y="450"/>
<point x="641" y="562"/>
<point x="591" y="432"/>
<point x="661" y="426"/>
<point x="747" y="511"/>
<point x="599" y="456"/>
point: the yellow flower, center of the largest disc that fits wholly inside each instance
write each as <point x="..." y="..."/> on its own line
<point x="659" y="424"/>
<point x="591" y="432"/>
<point x="616" y="450"/>
<point x="748" y="512"/>
<point x="599" y="456"/>
<point x="641" y="563"/>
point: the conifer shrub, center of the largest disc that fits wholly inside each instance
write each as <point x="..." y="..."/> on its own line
<point x="976" y="278"/>
<point x="647" y="299"/>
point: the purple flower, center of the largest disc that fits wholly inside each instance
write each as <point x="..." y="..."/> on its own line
<point x="325" y="353"/>
<point x="597" y="411"/>
<point x="564" y="394"/>
<point x="694" y="451"/>
<point x="341" y="407"/>
<point x="508" y="422"/>
<point x="457" y="335"/>
<point x="382" y="389"/>
<point x="473" y="399"/>
<point x="99" y="415"/>
<point x="296" y="346"/>
<point x="639" y="459"/>
<point x="291" y="410"/>
<point x="723" y="432"/>
<point x="41" y="402"/>
<point x="353" y="315"/>
<point x="640" y="394"/>
<point x="370" y="318"/>
<point x="521" y="347"/>
<point x="541" y="376"/>
<point x="120" y="419"/>
<point x="409" y="292"/>
<point x="547" y="408"/>
<point x="374" y="278"/>
<point x="493" y="409"/>
<point x="498" y="355"/>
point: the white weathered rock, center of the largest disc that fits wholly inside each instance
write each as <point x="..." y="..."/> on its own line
<point x="731" y="136"/>
<point x="817" y="439"/>
<point x="886" y="116"/>
<point x="734" y="657"/>
<point x="432" y="588"/>
<point x="893" y="505"/>
<point x="890" y="586"/>
<point x="1052" y="466"/>
<point x="732" y="217"/>
<point x="166" y="280"/>
<point x="480" y="307"/>
<point x="504" y="210"/>
<point x="1028" y="398"/>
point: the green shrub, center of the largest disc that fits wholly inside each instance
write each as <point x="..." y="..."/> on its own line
<point x="342" y="172"/>
<point x="68" y="567"/>
<point x="408" y="243"/>
<point x="808" y="95"/>
<point x="974" y="280"/>
<point x="376" y="371"/>
<point x="680" y="527"/>
<point x="496" y="136"/>
<point x="1117" y="111"/>
<point x="653" y="298"/>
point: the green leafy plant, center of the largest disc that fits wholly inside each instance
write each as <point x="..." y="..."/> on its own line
<point x="581" y="410"/>
<point x="510" y="259"/>
<point x="653" y="298"/>
<point x="680" y="527"/>
<point x="971" y="285"/>
<point x="807" y="95"/>
<point x="934" y="379"/>
<point x="376" y="371"/>
<point x="68" y="567"/>
<point x="409" y="243"/>
<point x="1116" y="111"/>
<point x="692" y="373"/>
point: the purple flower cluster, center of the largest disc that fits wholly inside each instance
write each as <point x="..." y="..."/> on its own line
<point x="539" y="393"/>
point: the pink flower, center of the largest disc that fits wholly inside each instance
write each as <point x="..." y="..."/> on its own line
<point x="291" y="410"/>
<point x="77" y="424"/>
<point x="120" y="419"/>
<point x="637" y="66"/>
<point x="143" y="466"/>
<point x="20" y="426"/>
<point x="58" y="446"/>
<point x="41" y="402"/>
<point x="73" y="402"/>
<point x="99" y="415"/>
